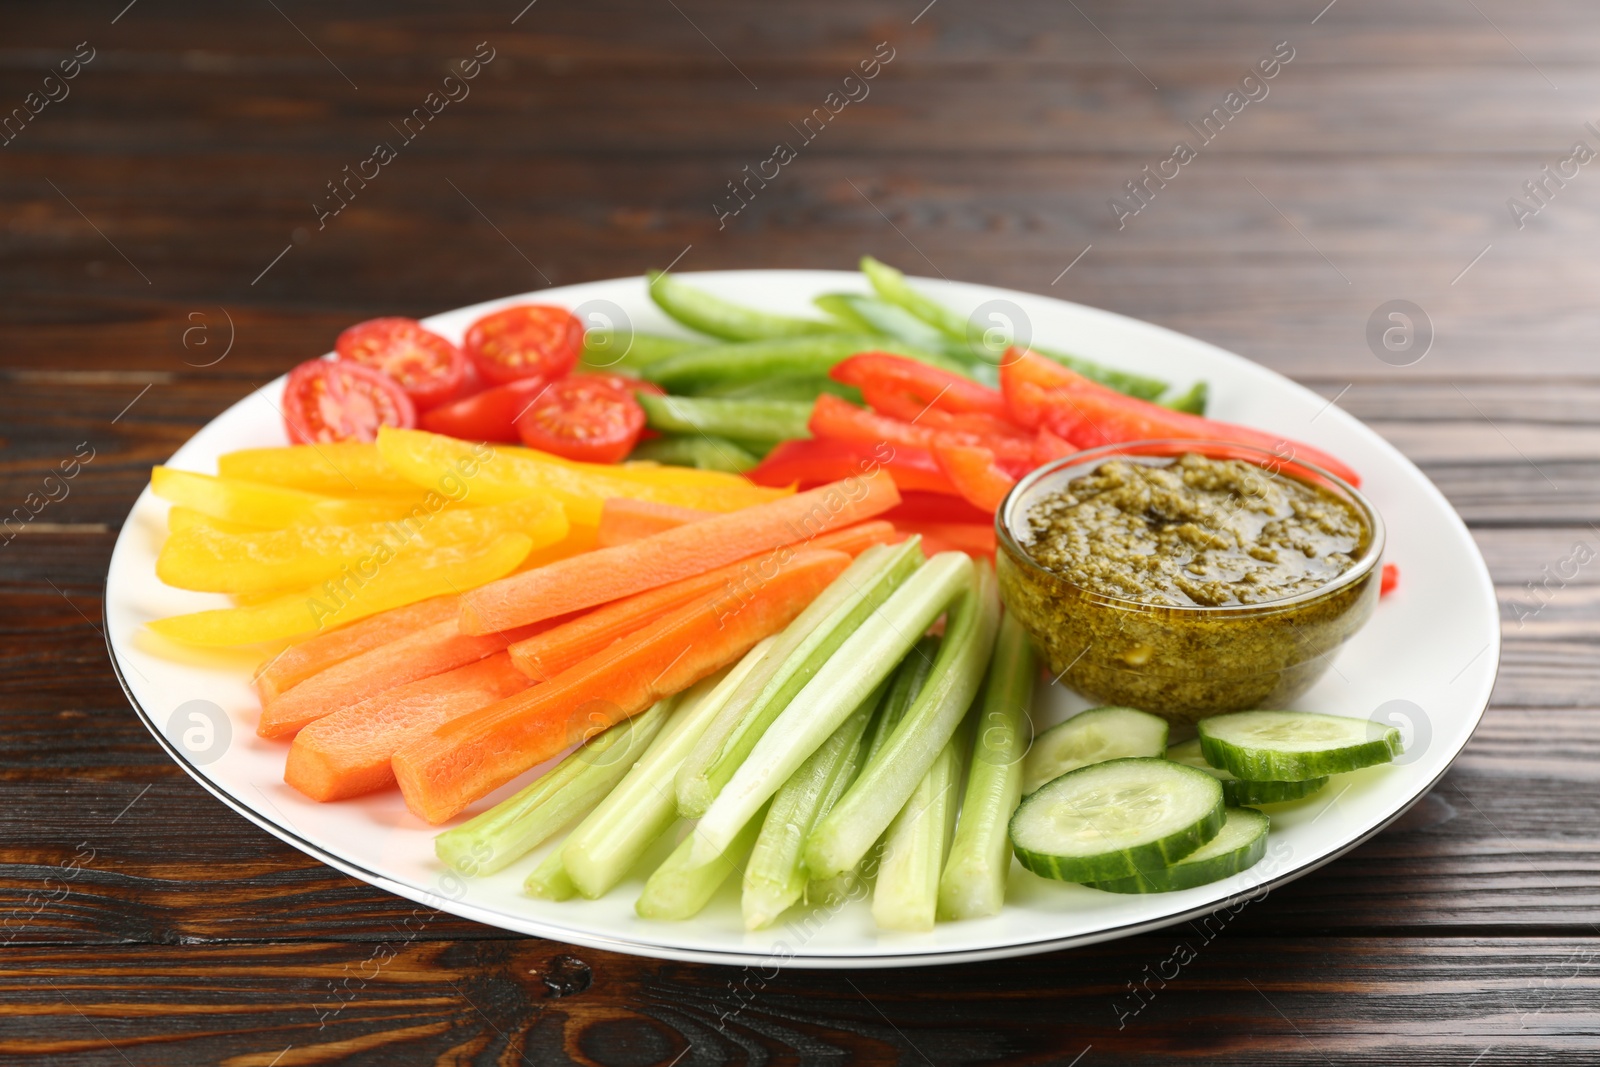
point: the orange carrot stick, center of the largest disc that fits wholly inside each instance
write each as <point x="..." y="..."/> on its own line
<point x="549" y="652"/>
<point x="623" y="520"/>
<point x="622" y="570"/>
<point x="304" y="658"/>
<point x="460" y="761"/>
<point x="347" y="753"/>
<point x="423" y="654"/>
<point x="854" y="540"/>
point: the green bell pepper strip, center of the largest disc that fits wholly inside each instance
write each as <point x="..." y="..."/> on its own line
<point x="697" y="450"/>
<point x="892" y="286"/>
<point x="620" y="352"/>
<point x="764" y="421"/>
<point x="708" y="314"/>
<point x="702" y="368"/>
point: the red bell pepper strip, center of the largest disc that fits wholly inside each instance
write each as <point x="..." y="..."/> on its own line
<point x="973" y="538"/>
<point x="836" y="418"/>
<point x="915" y="507"/>
<point x="1048" y="446"/>
<point x="1088" y="415"/>
<point x="486" y="416"/>
<point x="1390" y="580"/>
<point x="975" y="472"/>
<point x="809" y="463"/>
<point x="923" y="385"/>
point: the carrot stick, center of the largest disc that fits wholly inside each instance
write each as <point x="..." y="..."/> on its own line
<point x="854" y="540"/>
<point x="464" y="759"/>
<point x="423" y="654"/>
<point x="347" y="753"/>
<point x="549" y="652"/>
<point x="301" y="660"/>
<point x="622" y="570"/>
<point x="623" y="520"/>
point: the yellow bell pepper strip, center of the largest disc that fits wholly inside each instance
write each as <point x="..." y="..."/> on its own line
<point x="255" y="504"/>
<point x="215" y="562"/>
<point x="508" y="474"/>
<point x="375" y="584"/>
<point x="180" y="519"/>
<point x="341" y="468"/>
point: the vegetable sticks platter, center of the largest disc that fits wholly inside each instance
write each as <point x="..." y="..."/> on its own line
<point x="199" y="705"/>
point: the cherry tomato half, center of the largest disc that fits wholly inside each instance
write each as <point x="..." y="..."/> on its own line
<point x="325" y="400"/>
<point x="487" y="416"/>
<point x="585" y="418"/>
<point x="530" y="340"/>
<point x="428" y="367"/>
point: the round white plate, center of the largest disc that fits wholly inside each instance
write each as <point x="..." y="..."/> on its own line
<point x="1427" y="662"/>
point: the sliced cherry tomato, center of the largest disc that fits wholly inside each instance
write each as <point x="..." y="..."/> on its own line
<point x="526" y="341"/>
<point x="1390" y="581"/>
<point x="487" y="416"/>
<point x="585" y="418"/>
<point x="325" y="400"/>
<point x="429" y="368"/>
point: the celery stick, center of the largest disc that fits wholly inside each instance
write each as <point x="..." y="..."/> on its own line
<point x="974" y="879"/>
<point x="694" y="789"/>
<point x="682" y="885"/>
<point x="908" y="876"/>
<point x="549" y="880"/>
<point x="848" y="677"/>
<point x="886" y="783"/>
<point x="774" y="878"/>
<point x="852" y="598"/>
<point x="904" y="685"/>
<point x="514" y="827"/>
<point x="614" y="835"/>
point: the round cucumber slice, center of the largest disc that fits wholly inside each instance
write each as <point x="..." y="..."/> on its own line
<point x="1240" y="844"/>
<point x="1092" y="736"/>
<point x="1238" y="792"/>
<point x="1115" y="819"/>
<point x="1292" y="746"/>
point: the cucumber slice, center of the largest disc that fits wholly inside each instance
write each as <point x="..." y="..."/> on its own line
<point x="1092" y="736"/>
<point x="1237" y="791"/>
<point x="1240" y="844"/>
<point x="1292" y="746"/>
<point x="1115" y="819"/>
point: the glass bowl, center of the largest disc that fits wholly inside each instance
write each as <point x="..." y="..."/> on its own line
<point x="1184" y="662"/>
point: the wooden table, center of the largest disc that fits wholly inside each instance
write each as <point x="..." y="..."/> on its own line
<point x="164" y="256"/>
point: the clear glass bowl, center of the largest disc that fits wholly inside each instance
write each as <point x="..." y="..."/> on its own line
<point x="1183" y="662"/>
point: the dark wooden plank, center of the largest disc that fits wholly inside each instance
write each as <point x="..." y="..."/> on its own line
<point x="1194" y="994"/>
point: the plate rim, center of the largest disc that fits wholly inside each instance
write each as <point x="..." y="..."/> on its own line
<point x="900" y="957"/>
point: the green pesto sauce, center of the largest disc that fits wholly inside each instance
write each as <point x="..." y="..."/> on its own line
<point x="1194" y="532"/>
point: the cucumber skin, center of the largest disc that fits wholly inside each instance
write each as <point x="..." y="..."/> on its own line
<point x="1124" y="863"/>
<point x="1242" y="793"/>
<point x="1188" y="875"/>
<point x="1263" y="765"/>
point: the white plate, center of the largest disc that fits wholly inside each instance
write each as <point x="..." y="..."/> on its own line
<point x="1430" y="654"/>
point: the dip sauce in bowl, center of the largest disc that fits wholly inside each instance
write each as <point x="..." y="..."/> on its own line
<point x="1188" y="577"/>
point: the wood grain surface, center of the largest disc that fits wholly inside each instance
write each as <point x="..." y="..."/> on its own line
<point x="162" y="213"/>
